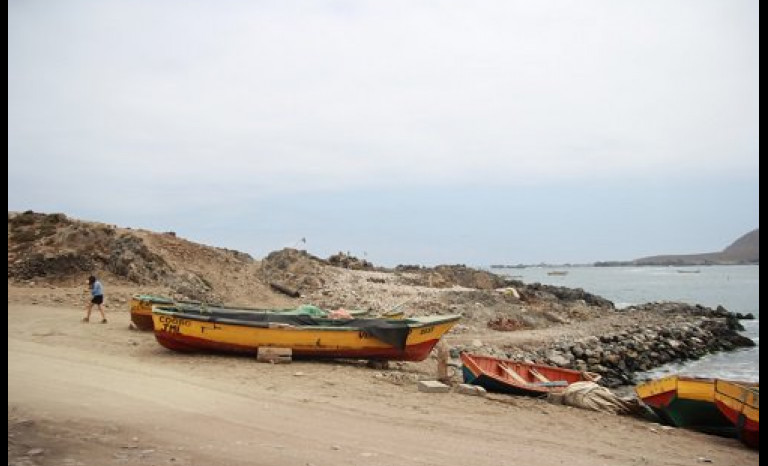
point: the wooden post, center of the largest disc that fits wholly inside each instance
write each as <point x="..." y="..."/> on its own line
<point x="442" y="362"/>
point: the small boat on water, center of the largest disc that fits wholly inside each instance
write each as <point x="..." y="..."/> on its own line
<point x="688" y="271"/>
<point x="686" y="402"/>
<point x="517" y="377"/>
<point x="741" y="405"/>
<point x="557" y="272"/>
<point x="410" y="339"/>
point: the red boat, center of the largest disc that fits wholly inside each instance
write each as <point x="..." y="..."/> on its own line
<point x="517" y="377"/>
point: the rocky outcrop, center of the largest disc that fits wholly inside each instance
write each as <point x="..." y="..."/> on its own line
<point x="671" y="307"/>
<point x="537" y="291"/>
<point x="293" y="269"/>
<point x="447" y="276"/>
<point x="58" y="249"/>
<point x="36" y="265"/>
<point x="348" y="261"/>
<point x="130" y="257"/>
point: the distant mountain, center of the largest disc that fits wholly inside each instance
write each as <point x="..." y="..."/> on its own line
<point x="745" y="250"/>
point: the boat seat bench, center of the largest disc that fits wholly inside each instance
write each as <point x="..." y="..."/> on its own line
<point x="518" y="378"/>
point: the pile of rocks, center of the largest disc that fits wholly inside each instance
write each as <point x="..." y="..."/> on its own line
<point x="349" y="261"/>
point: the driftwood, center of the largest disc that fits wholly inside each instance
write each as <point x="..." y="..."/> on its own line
<point x="293" y="293"/>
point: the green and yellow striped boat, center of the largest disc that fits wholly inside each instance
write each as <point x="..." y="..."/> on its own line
<point x="687" y="402"/>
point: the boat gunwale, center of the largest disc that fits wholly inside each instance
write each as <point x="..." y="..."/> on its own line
<point x="747" y="403"/>
<point x="412" y="323"/>
<point x="514" y="361"/>
<point x="659" y="385"/>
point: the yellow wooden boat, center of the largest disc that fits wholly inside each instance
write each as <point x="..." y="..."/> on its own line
<point x="686" y="402"/>
<point x="141" y="309"/>
<point x="740" y="403"/>
<point x="411" y="339"/>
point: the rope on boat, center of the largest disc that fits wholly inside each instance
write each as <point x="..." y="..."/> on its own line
<point x="589" y="395"/>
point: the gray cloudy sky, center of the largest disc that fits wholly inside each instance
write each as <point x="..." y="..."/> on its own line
<point x="408" y="132"/>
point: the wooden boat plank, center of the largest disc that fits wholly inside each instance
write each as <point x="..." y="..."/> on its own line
<point x="537" y="375"/>
<point x="512" y="374"/>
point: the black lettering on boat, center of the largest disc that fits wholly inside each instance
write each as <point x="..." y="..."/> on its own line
<point x="427" y="330"/>
<point x="171" y="328"/>
<point x="168" y="320"/>
<point x="173" y="324"/>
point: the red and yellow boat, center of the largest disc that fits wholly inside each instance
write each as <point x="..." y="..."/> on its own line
<point x="687" y="402"/>
<point x="193" y="329"/>
<point x="740" y="403"/>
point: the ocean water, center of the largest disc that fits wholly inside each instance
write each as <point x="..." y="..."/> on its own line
<point x="734" y="287"/>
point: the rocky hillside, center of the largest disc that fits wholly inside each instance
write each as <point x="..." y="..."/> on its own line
<point x="745" y="249"/>
<point x="64" y="251"/>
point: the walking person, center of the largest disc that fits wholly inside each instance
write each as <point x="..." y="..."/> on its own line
<point x="97" y="298"/>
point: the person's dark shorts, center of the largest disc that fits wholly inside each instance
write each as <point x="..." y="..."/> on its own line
<point x="98" y="299"/>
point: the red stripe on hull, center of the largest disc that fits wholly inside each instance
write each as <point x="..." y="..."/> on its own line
<point x="185" y="343"/>
<point x="662" y="400"/>
<point x="728" y="412"/>
<point x="751" y="425"/>
<point x="749" y="431"/>
<point x="143" y="322"/>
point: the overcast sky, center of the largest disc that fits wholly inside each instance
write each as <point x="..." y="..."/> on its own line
<point x="403" y="132"/>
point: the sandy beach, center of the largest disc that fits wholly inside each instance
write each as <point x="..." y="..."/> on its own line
<point x="93" y="394"/>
